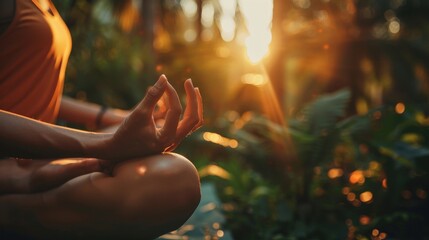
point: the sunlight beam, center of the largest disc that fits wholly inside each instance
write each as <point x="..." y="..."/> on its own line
<point x="258" y="15"/>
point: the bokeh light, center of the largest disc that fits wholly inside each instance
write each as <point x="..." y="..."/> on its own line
<point x="218" y="139"/>
<point x="400" y="108"/>
<point x="366" y="196"/>
<point x="335" y="173"/>
<point x="357" y="177"/>
<point x="227" y="25"/>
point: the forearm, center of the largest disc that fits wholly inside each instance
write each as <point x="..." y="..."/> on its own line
<point x="88" y="114"/>
<point x="25" y="137"/>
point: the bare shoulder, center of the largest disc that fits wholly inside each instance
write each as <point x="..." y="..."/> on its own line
<point x="7" y="12"/>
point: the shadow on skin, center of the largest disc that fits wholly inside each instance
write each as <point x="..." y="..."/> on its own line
<point x="144" y="198"/>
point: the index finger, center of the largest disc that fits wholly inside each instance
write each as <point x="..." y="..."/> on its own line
<point x="153" y="95"/>
<point x="172" y="116"/>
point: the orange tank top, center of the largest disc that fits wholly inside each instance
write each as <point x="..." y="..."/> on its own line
<point x="34" y="51"/>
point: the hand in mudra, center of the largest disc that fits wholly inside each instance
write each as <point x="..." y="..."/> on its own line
<point x="138" y="135"/>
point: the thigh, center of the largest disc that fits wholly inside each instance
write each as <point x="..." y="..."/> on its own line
<point x="143" y="197"/>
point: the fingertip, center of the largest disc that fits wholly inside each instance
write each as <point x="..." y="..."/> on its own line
<point x="161" y="81"/>
<point x="188" y="82"/>
<point x="189" y="87"/>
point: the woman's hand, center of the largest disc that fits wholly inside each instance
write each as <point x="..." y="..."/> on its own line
<point x="139" y="135"/>
<point x="193" y="116"/>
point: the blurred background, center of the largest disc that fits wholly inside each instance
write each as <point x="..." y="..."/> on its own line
<point x="316" y="111"/>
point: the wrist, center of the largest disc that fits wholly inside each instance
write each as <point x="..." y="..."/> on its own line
<point x="114" y="116"/>
<point x="99" y="118"/>
<point x="96" y="145"/>
<point x="108" y="117"/>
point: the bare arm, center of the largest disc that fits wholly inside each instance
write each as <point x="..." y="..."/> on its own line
<point x="25" y="137"/>
<point x="86" y="114"/>
<point x="137" y="136"/>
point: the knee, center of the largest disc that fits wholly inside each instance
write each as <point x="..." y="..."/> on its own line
<point x="167" y="194"/>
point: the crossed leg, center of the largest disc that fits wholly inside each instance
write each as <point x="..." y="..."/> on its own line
<point x="144" y="198"/>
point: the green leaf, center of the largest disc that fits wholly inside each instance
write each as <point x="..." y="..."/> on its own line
<point x="260" y="191"/>
<point x="324" y="113"/>
<point x="207" y="215"/>
<point x="284" y="212"/>
<point x="405" y="154"/>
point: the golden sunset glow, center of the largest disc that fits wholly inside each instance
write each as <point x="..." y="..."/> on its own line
<point x="258" y="15"/>
<point x="254" y="79"/>
<point x="297" y="113"/>
<point x="227" y="25"/>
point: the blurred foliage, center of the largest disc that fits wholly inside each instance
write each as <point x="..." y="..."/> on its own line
<point x="206" y="222"/>
<point x="360" y="177"/>
<point x="329" y="174"/>
<point x="107" y="64"/>
<point x="377" y="48"/>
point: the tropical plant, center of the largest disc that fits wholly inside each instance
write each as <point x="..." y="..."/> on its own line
<point x="363" y="176"/>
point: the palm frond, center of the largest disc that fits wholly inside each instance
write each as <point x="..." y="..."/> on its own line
<point x="322" y="115"/>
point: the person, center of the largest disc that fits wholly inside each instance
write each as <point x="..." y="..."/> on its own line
<point x="58" y="182"/>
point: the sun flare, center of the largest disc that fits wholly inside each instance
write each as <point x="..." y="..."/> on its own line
<point x="258" y="15"/>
